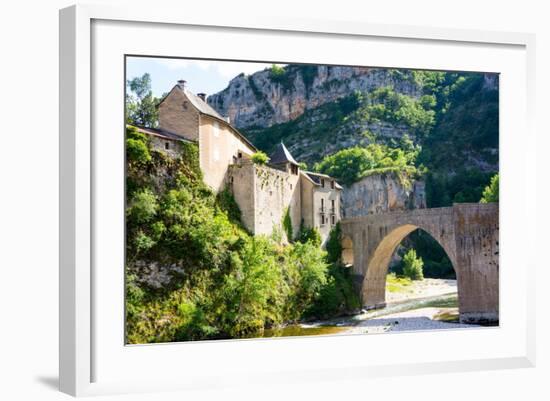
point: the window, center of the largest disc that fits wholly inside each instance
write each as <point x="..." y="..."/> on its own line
<point x="333" y="219"/>
<point x="291" y="186"/>
<point x="216" y="129"/>
<point x="332" y="205"/>
<point x="167" y="145"/>
<point x="294" y="169"/>
<point x="184" y="105"/>
<point x="322" y="182"/>
<point x="240" y="155"/>
<point x="322" y="204"/>
<point x="322" y="219"/>
<point x="332" y="185"/>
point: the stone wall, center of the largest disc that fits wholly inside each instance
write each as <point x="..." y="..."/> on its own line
<point x="219" y="147"/>
<point x="170" y="147"/>
<point x="177" y="115"/>
<point x="467" y="232"/>
<point x="264" y="194"/>
<point x="477" y="254"/>
<point x="240" y="181"/>
<point x="380" y="193"/>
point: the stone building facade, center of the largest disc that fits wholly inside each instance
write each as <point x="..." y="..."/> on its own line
<point x="267" y="195"/>
<point x="187" y="115"/>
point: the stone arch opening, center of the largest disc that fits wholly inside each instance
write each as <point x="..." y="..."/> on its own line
<point x="347" y="252"/>
<point x="374" y="284"/>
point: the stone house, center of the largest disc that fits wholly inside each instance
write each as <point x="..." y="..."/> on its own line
<point x="185" y="114"/>
<point x="321" y="202"/>
<point x="267" y="195"/>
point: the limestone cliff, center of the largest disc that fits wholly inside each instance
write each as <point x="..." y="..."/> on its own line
<point x="318" y="110"/>
<point x="379" y="193"/>
<point x="266" y="98"/>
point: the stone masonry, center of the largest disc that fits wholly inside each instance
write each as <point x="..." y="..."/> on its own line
<point x="467" y="232"/>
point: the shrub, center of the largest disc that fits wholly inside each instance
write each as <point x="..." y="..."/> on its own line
<point x="334" y="244"/>
<point x="143" y="206"/>
<point x="137" y="151"/>
<point x="412" y="266"/>
<point x="227" y="203"/>
<point x="337" y="296"/>
<point x="490" y="193"/>
<point x="287" y="224"/>
<point x="260" y="158"/>
<point x="310" y="235"/>
<point x="309" y="261"/>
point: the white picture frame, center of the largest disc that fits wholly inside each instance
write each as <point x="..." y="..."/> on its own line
<point x="84" y="356"/>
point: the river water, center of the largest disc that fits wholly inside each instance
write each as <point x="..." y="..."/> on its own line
<point x="345" y="324"/>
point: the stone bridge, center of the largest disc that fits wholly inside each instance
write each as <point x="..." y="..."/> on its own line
<point x="468" y="233"/>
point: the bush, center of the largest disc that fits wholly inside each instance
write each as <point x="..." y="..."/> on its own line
<point x="227" y="203"/>
<point x="260" y="158"/>
<point x="143" y="207"/>
<point x="334" y="244"/>
<point x="337" y="297"/>
<point x="412" y="266"/>
<point x="287" y="225"/>
<point x="490" y="193"/>
<point x="137" y="151"/>
<point x="309" y="235"/>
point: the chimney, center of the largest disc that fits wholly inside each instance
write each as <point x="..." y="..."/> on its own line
<point x="202" y="96"/>
<point x="182" y="83"/>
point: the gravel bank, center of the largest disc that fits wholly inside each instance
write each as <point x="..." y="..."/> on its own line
<point x="422" y="289"/>
<point x="413" y="320"/>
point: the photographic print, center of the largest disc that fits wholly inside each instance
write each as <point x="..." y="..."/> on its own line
<point x="268" y="199"/>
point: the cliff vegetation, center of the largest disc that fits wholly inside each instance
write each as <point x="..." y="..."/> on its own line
<point x="194" y="273"/>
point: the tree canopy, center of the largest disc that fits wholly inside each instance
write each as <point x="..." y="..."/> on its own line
<point x="141" y="105"/>
<point x="352" y="164"/>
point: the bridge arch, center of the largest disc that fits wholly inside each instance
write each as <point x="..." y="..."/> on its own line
<point x="373" y="289"/>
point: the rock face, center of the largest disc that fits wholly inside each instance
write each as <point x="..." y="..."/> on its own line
<point x="263" y="99"/>
<point x="381" y="193"/>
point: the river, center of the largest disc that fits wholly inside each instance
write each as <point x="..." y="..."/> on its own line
<point x="433" y="312"/>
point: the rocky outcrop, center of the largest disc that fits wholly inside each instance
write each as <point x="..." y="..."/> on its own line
<point x="263" y="98"/>
<point x="379" y="193"/>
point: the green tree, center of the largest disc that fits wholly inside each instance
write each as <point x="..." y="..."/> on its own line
<point x="490" y="193"/>
<point x="351" y="164"/>
<point x="412" y="266"/>
<point x="260" y="158"/>
<point x="334" y="244"/>
<point x="310" y="235"/>
<point x="141" y="105"/>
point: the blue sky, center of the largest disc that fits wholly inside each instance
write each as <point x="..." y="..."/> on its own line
<point x="201" y="75"/>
